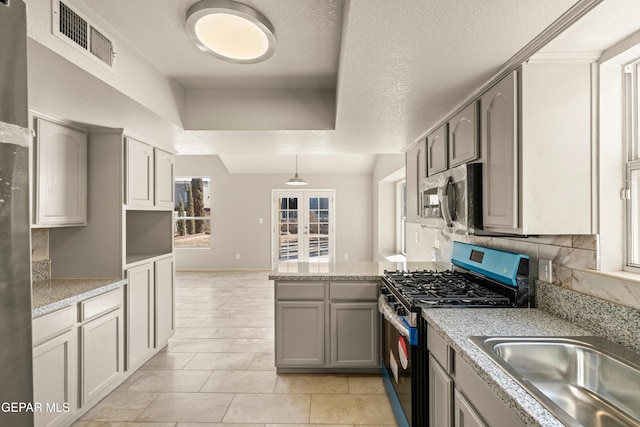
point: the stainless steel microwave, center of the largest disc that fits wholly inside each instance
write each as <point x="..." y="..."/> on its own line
<point x="452" y="200"/>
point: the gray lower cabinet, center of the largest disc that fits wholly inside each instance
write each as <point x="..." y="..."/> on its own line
<point x="440" y="395"/>
<point x="78" y="357"/>
<point x="150" y="309"/>
<point x="464" y="414"/>
<point x="457" y="395"/>
<point x="140" y="314"/>
<point x="327" y="325"/>
<point x="55" y="379"/>
<point x="300" y="333"/>
<point x="102" y="355"/>
<point x="164" y="301"/>
<point x="354" y="334"/>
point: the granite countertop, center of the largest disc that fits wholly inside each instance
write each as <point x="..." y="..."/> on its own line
<point x="53" y="294"/>
<point x="345" y="270"/>
<point x="456" y="325"/>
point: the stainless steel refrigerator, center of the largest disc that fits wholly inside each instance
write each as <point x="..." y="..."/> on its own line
<point x="16" y="377"/>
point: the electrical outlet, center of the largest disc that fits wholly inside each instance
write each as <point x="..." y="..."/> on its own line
<point x="545" y="272"/>
<point x="346" y="257"/>
<point x="237" y="256"/>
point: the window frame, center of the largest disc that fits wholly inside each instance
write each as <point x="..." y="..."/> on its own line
<point x="631" y="152"/>
<point x="401" y="216"/>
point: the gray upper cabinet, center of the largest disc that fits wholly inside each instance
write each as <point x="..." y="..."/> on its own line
<point x="60" y="175"/>
<point x="437" y="151"/>
<point x="164" y="179"/>
<point x="499" y="142"/>
<point x="463" y="136"/>
<point x="416" y="171"/>
<point x="537" y="149"/>
<point x="139" y="173"/>
<point x="149" y="176"/>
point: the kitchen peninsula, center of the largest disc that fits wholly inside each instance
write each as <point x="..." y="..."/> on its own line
<point x="326" y="314"/>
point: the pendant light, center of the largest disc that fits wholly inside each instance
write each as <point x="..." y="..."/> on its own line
<point x="296" y="180"/>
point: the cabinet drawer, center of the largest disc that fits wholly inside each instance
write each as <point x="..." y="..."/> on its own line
<point x="354" y="290"/>
<point x="438" y="348"/>
<point x="53" y="324"/>
<point x="100" y="304"/>
<point x="299" y="290"/>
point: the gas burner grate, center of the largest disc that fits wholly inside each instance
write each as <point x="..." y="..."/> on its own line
<point x="444" y="288"/>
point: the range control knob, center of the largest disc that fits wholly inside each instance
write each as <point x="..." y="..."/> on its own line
<point x="401" y="311"/>
<point x="385" y="291"/>
<point x="391" y="299"/>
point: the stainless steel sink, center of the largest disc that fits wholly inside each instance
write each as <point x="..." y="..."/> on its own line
<point x="583" y="381"/>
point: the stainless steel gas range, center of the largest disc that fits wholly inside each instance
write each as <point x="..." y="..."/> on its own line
<point x="479" y="278"/>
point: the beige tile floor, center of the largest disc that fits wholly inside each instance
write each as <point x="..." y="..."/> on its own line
<point x="218" y="370"/>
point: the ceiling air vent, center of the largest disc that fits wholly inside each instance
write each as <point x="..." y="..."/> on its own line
<point x="74" y="29"/>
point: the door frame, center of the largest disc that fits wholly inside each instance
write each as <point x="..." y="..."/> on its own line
<point x="302" y="219"/>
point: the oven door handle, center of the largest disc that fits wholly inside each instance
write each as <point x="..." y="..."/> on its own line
<point x="385" y="309"/>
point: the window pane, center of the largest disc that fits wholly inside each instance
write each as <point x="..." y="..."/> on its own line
<point x="192" y="212"/>
<point x="200" y="239"/>
<point x="293" y="203"/>
<point x="313" y="203"/>
<point x="634" y="217"/>
<point x="324" y="203"/>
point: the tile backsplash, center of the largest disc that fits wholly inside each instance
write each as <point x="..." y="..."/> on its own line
<point x="40" y="263"/>
<point x="574" y="260"/>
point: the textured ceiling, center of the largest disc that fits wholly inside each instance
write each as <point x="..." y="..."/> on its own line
<point x="396" y="66"/>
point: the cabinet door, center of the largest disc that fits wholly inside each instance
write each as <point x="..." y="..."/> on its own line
<point x="140" y="314"/>
<point x="165" y="293"/>
<point x="102" y="355"/>
<point x="139" y="173"/>
<point x="164" y="179"/>
<point x="499" y="142"/>
<point x="61" y="171"/>
<point x="464" y="414"/>
<point x="299" y="333"/>
<point x="415" y="170"/>
<point x="440" y="395"/>
<point x="463" y="136"/>
<point x="55" y="385"/>
<point x="354" y="334"/>
<point x="437" y="151"/>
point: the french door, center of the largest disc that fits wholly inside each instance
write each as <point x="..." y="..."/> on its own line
<point x="303" y="228"/>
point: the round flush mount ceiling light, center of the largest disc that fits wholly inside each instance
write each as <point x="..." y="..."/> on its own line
<point x="231" y="31"/>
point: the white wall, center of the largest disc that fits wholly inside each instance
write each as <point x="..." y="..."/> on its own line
<point x="239" y="200"/>
<point x="259" y="110"/>
<point x="388" y="169"/>
<point x="59" y="88"/>
<point x="132" y="75"/>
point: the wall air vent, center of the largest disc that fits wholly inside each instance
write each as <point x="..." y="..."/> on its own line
<point x="77" y="31"/>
